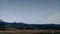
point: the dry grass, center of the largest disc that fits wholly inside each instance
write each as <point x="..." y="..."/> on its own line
<point x="17" y="31"/>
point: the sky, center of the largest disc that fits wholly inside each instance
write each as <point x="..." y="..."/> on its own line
<point x="30" y="11"/>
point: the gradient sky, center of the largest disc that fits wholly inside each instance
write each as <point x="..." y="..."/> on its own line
<point x="30" y="11"/>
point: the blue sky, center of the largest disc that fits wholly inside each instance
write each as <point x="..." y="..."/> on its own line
<point x="30" y="11"/>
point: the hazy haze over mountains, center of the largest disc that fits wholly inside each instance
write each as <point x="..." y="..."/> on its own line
<point x="30" y="11"/>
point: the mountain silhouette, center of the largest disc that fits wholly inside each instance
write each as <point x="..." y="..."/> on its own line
<point x="1" y="20"/>
<point x="22" y="25"/>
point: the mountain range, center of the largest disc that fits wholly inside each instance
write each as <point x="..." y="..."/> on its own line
<point x="22" y="25"/>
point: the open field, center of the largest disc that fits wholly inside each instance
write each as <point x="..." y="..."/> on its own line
<point x="17" y="31"/>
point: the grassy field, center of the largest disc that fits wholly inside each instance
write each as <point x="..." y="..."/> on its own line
<point x="17" y="31"/>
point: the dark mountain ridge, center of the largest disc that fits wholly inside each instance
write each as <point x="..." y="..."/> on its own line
<point x="22" y="25"/>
